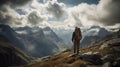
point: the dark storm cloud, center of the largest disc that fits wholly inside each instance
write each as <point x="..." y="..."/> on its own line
<point x="106" y="12"/>
<point x="112" y="8"/>
<point x="14" y="2"/>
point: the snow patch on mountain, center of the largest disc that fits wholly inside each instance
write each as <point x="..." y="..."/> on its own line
<point x="47" y="32"/>
<point x="21" y="32"/>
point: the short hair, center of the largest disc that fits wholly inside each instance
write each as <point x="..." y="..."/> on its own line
<point x="76" y="27"/>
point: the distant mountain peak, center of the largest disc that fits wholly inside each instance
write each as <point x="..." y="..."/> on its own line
<point x="47" y="28"/>
<point x="3" y="27"/>
<point x="95" y="26"/>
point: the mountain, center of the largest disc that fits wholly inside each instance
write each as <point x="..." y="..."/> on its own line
<point x="94" y="34"/>
<point x="11" y="35"/>
<point x="40" y="42"/>
<point x="104" y="53"/>
<point x="65" y="35"/>
<point x="34" y="40"/>
<point x="51" y="35"/>
<point x="97" y="31"/>
<point x="11" y="55"/>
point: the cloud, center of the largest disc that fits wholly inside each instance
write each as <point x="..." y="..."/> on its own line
<point x="8" y="15"/>
<point x="44" y="12"/>
<point x="108" y="11"/>
<point x="35" y="18"/>
<point x="80" y="15"/>
<point x="29" y="15"/>
<point x="56" y="9"/>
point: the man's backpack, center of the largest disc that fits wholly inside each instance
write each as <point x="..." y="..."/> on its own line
<point x="78" y="34"/>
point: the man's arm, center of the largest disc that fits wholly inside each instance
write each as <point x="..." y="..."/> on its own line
<point x="73" y="35"/>
<point x="80" y="34"/>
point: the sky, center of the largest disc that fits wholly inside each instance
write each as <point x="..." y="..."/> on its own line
<point x="60" y="13"/>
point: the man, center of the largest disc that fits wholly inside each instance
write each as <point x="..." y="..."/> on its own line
<point x="76" y="37"/>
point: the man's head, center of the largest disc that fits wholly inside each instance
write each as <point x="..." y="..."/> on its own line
<point x="76" y="27"/>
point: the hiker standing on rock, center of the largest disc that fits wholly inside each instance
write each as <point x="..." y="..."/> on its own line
<point x="76" y="37"/>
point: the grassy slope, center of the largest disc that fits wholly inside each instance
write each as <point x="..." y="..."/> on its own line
<point x="60" y="60"/>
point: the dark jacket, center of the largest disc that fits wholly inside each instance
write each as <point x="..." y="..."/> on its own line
<point x="74" y="37"/>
